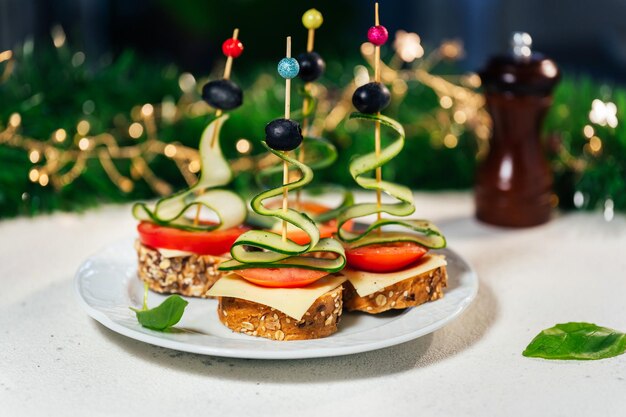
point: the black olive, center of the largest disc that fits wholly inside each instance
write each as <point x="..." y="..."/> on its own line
<point x="312" y="66"/>
<point x="283" y="135"/>
<point x="371" y="98"/>
<point x="222" y="94"/>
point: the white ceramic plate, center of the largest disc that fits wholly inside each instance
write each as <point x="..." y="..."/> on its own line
<point x="106" y="285"/>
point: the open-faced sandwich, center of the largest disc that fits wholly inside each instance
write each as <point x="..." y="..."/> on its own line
<point x="389" y="266"/>
<point x="278" y="288"/>
<point x="183" y="238"/>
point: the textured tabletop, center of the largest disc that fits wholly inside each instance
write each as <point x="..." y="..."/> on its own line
<point x="56" y="361"/>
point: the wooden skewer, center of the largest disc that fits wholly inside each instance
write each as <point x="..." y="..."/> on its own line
<point x="379" y="170"/>
<point x="305" y="128"/>
<point x="285" y="198"/>
<point x="305" y="109"/>
<point x="288" y="84"/>
<point x="310" y="40"/>
<point x="229" y="60"/>
<point x="285" y="165"/>
<point x="227" y="71"/>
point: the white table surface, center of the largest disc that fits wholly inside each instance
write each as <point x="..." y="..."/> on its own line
<point x="56" y="361"/>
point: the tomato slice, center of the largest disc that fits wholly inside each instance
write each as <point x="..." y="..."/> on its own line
<point x="216" y="242"/>
<point x="281" y="277"/>
<point x="326" y="229"/>
<point x="386" y="257"/>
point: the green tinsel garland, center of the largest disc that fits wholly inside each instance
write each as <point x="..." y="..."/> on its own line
<point x="50" y="90"/>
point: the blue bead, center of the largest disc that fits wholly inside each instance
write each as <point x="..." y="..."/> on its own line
<point x="288" y="68"/>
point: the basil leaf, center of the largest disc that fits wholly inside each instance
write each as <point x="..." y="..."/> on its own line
<point x="577" y="341"/>
<point x="165" y="315"/>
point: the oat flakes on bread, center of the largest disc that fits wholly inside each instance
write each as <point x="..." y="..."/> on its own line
<point x="256" y="319"/>
<point x="410" y="292"/>
<point x="191" y="275"/>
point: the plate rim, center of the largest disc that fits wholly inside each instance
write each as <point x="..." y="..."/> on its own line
<point x="246" y="353"/>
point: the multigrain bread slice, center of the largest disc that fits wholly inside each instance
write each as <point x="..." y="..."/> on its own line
<point x="410" y="292"/>
<point x="191" y="275"/>
<point x="256" y="319"/>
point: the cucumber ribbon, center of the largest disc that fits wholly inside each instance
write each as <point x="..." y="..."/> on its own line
<point x="422" y="232"/>
<point x="229" y="208"/>
<point x="324" y="157"/>
<point x="265" y="249"/>
<point x="320" y="153"/>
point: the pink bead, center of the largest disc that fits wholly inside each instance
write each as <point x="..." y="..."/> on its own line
<point x="377" y="35"/>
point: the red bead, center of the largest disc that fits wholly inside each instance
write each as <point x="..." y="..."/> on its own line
<point x="377" y="35"/>
<point x="232" y="47"/>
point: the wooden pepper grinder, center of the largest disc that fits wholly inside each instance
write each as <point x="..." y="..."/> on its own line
<point x="514" y="182"/>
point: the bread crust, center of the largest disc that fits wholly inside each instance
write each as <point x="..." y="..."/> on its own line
<point x="407" y="293"/>
<point x="259" y="320"/>
<point x="191" y="275"/>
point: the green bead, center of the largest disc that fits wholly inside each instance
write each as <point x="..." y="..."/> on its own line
<point x="288" y="68"/>
<point x="312" y="19"/>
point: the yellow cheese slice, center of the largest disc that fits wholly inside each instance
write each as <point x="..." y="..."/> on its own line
<point x="367" y="283"/>
<point x="173" y="253"/>
<point x="294" y="302"/>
